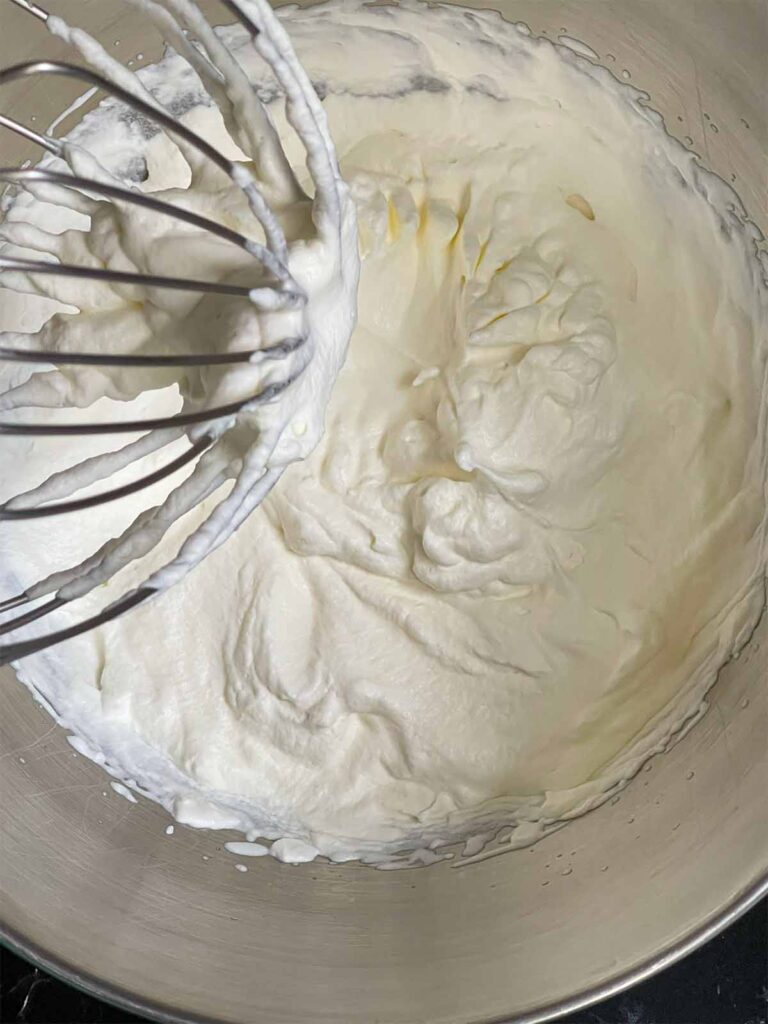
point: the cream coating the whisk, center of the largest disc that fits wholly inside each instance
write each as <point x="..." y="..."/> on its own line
<point x="268" y="310"/>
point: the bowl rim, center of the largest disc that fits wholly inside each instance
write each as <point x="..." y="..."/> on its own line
<point x="712" y="926"/>
<point x="614" y="983"/>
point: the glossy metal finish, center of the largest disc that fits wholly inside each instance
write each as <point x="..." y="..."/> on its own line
<point x="92" y="887"/>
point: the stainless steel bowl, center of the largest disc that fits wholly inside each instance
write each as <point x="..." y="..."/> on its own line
<point x="93" y="889"/>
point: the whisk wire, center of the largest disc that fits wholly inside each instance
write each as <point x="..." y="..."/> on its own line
<point x="80" y="504"/>
<point x="267" y="394"/>
<point x="276" y="242"/>
<point x="32" y="8"/>
<point x="23" y="649"/>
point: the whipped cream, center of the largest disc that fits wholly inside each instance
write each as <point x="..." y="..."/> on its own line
<point x="535" y="524"/>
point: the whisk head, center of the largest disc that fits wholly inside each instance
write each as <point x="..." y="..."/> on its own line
<point x="273" y="293"/>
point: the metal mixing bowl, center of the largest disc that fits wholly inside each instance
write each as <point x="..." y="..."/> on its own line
<point x="94" y="891"/>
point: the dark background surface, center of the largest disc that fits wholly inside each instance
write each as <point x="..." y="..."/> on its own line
<point x="726" y="982"/>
